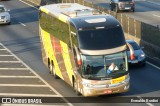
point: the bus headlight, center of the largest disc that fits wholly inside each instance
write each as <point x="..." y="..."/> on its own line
<point x="126" y="80"/>
<point x="87" y="84"/>
<point x="95" y="85"/>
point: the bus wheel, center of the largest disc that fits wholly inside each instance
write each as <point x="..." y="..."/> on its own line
<point x="49" y="66"/>
<point x="53" y="71"/>
<point x="75" y="86"/>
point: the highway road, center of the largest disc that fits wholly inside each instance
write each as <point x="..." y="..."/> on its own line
<point x="22" y="40"/>
<point x="147" y="11"/>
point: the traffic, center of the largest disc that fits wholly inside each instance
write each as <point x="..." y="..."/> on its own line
<point x="31" y="55"/>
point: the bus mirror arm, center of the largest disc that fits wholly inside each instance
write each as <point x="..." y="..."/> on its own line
<point x="132" y="57"/>
<point x="79" y="60"/>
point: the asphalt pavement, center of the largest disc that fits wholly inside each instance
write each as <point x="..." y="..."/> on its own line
<point x="22" y="71"/>
<point x="147" y="11"/>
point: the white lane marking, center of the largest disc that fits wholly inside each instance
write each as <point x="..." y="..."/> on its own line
<point x="6" y="55"/>
<point x="12" y="61"/>
<point x="2" y="49"/>
<point x="153" y="65"/>
<point x="156" y="58"/>
<point x="28" y="95"/>
<point x="156" y="15"/>
<point x="22" y="24"/>
<point x="22" y="85"/>
<point x="29" y="105"/>
<point x="18" y="76"/>
<point x="155" y="3"/>
<point x="29" y="4"/>
<point x="54" y="90"/>
<point x="14" y="69"/>
<point x="150" y="104"/>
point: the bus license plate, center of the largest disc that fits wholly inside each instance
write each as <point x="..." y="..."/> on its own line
<point x="117" y="80"/>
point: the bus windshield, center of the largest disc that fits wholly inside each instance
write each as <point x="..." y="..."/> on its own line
<point x="104" y="67"/>
<point x="101" y="38"/>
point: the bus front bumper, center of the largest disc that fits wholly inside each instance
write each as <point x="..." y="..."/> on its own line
<point x="122" y="87"/>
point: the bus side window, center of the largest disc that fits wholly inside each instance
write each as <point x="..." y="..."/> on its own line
<point x="73" y="36"/>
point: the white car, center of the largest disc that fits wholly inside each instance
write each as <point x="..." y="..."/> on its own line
<point x="4" y="15"/>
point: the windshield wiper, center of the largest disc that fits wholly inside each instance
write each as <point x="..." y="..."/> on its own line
<point x="115" y="75"/>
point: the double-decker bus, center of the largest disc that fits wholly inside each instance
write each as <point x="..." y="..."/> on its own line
<point x="84" y="48"/>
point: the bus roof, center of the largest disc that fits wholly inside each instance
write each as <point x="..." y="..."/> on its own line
<point x="85" y="20"/>
<point x="64" y="11"/>
<point x="94" y="22"/>
<point x="81" y="16"/>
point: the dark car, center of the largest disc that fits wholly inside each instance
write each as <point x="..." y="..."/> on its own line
<point x="118" y="5"/>
<point x="139" y="55"/>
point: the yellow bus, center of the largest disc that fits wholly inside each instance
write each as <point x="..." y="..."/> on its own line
<point x="84" y="48"/>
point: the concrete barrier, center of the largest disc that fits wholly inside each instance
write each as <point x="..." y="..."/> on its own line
<point x="41" y="2"/>
<point x="34" y="2"/>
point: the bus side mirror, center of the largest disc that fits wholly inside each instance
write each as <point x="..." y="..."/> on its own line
<point x="79" y="60"/>
<point x="132" y="57"/>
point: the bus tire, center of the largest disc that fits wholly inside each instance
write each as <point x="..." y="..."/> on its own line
<point x="49" y="66"/>
<point x="53" y="71"/>
<point x="75" y="87"/>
